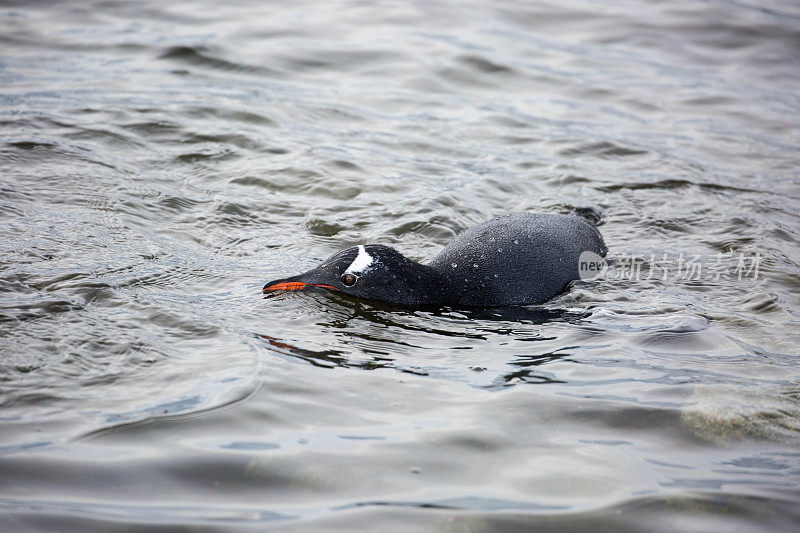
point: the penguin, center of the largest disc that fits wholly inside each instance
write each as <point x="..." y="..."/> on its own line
<point x="516" y="259"/>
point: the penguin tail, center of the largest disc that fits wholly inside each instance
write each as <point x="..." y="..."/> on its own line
<point x="593" y="215"/>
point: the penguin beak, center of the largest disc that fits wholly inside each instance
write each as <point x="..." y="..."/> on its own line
<point x="295" y="283"/>
<point x="285" y="286"/>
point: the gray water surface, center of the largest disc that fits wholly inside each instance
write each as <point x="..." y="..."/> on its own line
<point x="159" y="162"/>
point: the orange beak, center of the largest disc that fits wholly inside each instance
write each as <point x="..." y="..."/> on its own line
<point x="293" y="286"/>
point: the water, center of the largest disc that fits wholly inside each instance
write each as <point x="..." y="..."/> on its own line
<point x="160" y="162"/>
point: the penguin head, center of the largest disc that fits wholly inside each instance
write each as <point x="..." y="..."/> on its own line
<point x="372" y="271"/>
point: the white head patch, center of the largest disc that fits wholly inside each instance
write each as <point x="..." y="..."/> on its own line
<point x="361" y="263"/>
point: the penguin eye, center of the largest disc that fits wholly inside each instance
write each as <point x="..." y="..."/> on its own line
<point x="349" y="279"/>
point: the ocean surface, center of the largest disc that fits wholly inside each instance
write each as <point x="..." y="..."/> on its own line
<point x="161" y="161"/>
